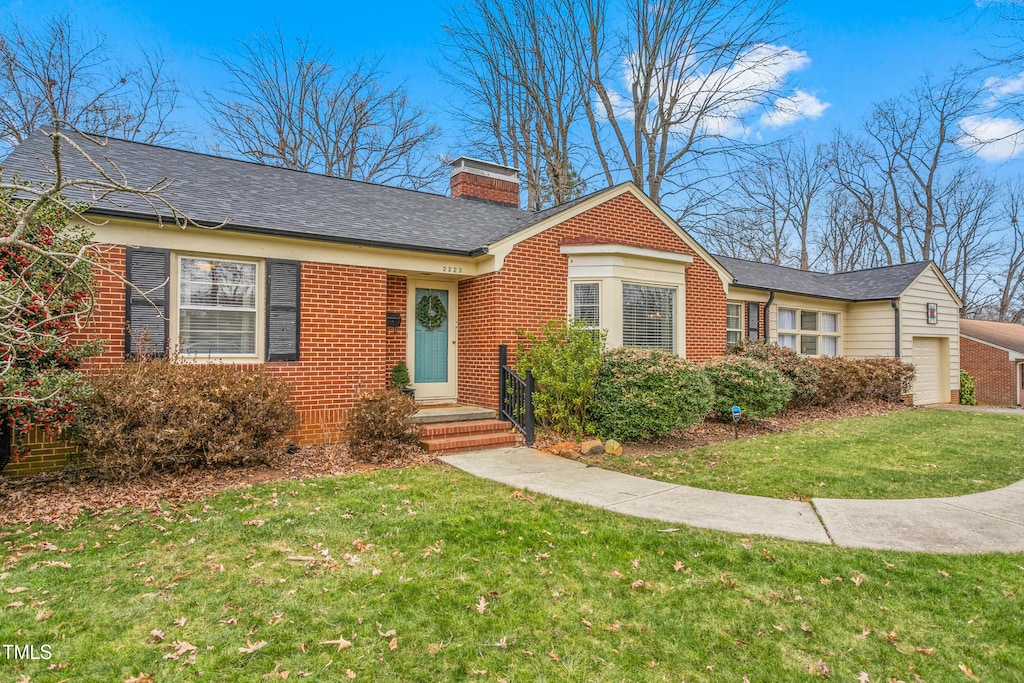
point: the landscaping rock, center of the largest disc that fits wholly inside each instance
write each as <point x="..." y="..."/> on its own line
<point x="593" y="447"/>
<point x="613" y="447"/>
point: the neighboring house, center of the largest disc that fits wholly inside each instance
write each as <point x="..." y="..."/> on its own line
<point x="331" y="282"/>
<point x="907" y="311"/>
<point x="993" y="353"/>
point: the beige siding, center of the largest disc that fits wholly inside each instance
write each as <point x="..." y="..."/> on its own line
<point x="929" y="288"/>
<point x="870" y="330"/>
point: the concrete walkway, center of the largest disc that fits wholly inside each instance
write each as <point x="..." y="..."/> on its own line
<point x="992" y="521"/>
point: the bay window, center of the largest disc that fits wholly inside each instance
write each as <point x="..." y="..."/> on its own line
<point x="648" y="316"/>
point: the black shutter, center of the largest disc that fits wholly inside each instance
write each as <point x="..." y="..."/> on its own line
<point x="753" y="321"/>
<point x="148" y="273"/>
<point x="283" y="287"/>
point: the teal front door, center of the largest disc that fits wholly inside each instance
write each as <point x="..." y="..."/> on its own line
<point x="433" y="340"/>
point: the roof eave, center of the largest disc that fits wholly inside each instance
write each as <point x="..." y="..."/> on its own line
<point x="780" y="290"/>
<point x="273" y="232"/>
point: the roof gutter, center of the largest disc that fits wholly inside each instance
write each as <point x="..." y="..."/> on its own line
<point x="896" y="323"/>
<point x="772" y="290"/>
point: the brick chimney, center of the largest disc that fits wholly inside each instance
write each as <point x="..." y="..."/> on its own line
<point x="483" y="180"/>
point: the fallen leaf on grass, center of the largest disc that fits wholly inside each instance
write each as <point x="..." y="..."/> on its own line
<point x="639" y="583"/>
<point x="349" y="673"/>
<point x="141" y="678"/>
<point x="865" y="633"/>
<point x="393" y="644"/>
<point x="821" y="668"/>
<point x="970" y="674"/>
<point x="944" y="573"/>
<point x="12" y="591"/>
<point x="340" y="642"/>
<point x="251" y="647"/>
<point x="157" y="635"/>
<point x="926" y="650"/>
<point x="857" y="579"/>
<point x="554" y="657"/>
<point x="62" y="565"/>
<point x="864" y="677"/>
<point x="180" y="621"/>
<point x="16" y="603"/>
<point x="183" y="647"/>
<point x="615" y="574"/>
<point x="44" y="615"/>
<point x="482" y="605"/>
<point x="300" y="558"/>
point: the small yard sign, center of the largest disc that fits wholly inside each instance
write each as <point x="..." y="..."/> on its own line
<point x="736" y="422"/>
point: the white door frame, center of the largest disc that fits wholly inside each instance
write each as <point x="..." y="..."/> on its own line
<point x="434" y="392"/>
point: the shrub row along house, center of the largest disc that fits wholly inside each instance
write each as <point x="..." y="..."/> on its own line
<point x="331" y="282"/>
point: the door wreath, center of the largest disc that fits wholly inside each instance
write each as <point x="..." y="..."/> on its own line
<point x="430" y="312"/>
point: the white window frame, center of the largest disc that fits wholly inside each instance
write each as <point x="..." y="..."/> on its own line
<point x="572" y="301"/>
<point x="741" y="319"/>
<point x="675" y="311"/>
<point x="259" y="293"/>
<point x="792" y="337"/>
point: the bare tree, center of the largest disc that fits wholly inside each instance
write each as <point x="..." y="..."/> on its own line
<point x="288" y="105"/>
<point x="1009" y="278"/>
<point x="674" y="84"/>
<point x="61" y="73"/>
<point x="845" y="240"/>
<point x="515" y="66"/>
<point x="776" y="188"/>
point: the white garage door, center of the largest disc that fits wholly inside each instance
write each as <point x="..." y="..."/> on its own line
<point x="928" y="376"/>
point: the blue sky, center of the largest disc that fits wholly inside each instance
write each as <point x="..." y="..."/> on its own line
<point x="856" y="52"/>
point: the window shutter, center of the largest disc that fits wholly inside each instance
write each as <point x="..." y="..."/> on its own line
<point x="753" y="321"/>
<point x="148" y="271"/>
<point x="283" y="296"/>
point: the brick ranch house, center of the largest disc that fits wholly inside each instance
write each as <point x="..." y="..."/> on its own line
<point x="320" y="279"/>
<point x="993" y="353"/>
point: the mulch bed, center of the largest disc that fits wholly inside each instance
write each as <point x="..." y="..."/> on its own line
<point x="60" y="497"/>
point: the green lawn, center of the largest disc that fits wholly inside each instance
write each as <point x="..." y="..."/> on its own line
<point x="481" y="583"/>
<point x="905" y="454"/>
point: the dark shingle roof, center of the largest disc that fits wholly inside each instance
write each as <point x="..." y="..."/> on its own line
<point x="859" y="285"/>
<point x="1007" y="335"/>
<point x="255" y="198"/>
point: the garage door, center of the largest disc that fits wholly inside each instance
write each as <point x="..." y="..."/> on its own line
<point x="928" y="376"/>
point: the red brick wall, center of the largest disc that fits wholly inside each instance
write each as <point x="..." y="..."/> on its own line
<point x="481" y="187"/>
<point x="531" y="288"/>
<point x="993" y="371"/>
<point x="344" y="348"/>
<point x="396" y="299"/>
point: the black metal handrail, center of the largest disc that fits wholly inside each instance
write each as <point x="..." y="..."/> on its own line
<point x="515" y="396"/>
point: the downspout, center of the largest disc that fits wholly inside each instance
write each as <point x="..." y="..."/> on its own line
<point x="896" y="322"/>
<point x="767" y="308"/>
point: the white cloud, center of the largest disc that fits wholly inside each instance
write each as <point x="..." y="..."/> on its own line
<point x="787" y="110"/>
<point x="1013" y="85"/>
<point x="993" y="138"/>
<point x="727" y="97"/>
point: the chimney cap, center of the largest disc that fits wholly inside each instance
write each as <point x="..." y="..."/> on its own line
<point x="487" y="169"/>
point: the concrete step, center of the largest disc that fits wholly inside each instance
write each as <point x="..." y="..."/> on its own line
<point x="471" y="441"/>
<point x="437" y="429"/>
<point x="428" y="415"/>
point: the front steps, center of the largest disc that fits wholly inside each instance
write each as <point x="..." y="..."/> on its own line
<point x="463" y="428"/>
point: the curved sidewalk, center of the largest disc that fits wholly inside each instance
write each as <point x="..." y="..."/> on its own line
<point x="992" y="521"/>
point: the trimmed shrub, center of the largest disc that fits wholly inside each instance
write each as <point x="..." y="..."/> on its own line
<point x="565" y="360"/>
<point x="846" y="380"/>
<point x="885" y="379"/>
<point x="380" y="426"/>
<point x="967" y="397"/>
<point x="753" y="385"/>
<point x="158" y="414"/>
<point x="400" y="375"/>
<point x="799" y="370"/>
<point x="642" y="394"/>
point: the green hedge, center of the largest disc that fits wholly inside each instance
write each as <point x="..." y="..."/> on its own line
<point x="643" y="394"/>
<point x="753" y="385"/>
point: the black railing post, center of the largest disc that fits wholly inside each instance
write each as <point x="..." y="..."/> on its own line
<point x="502" y="381"/>
<point x="528" y="418"/>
